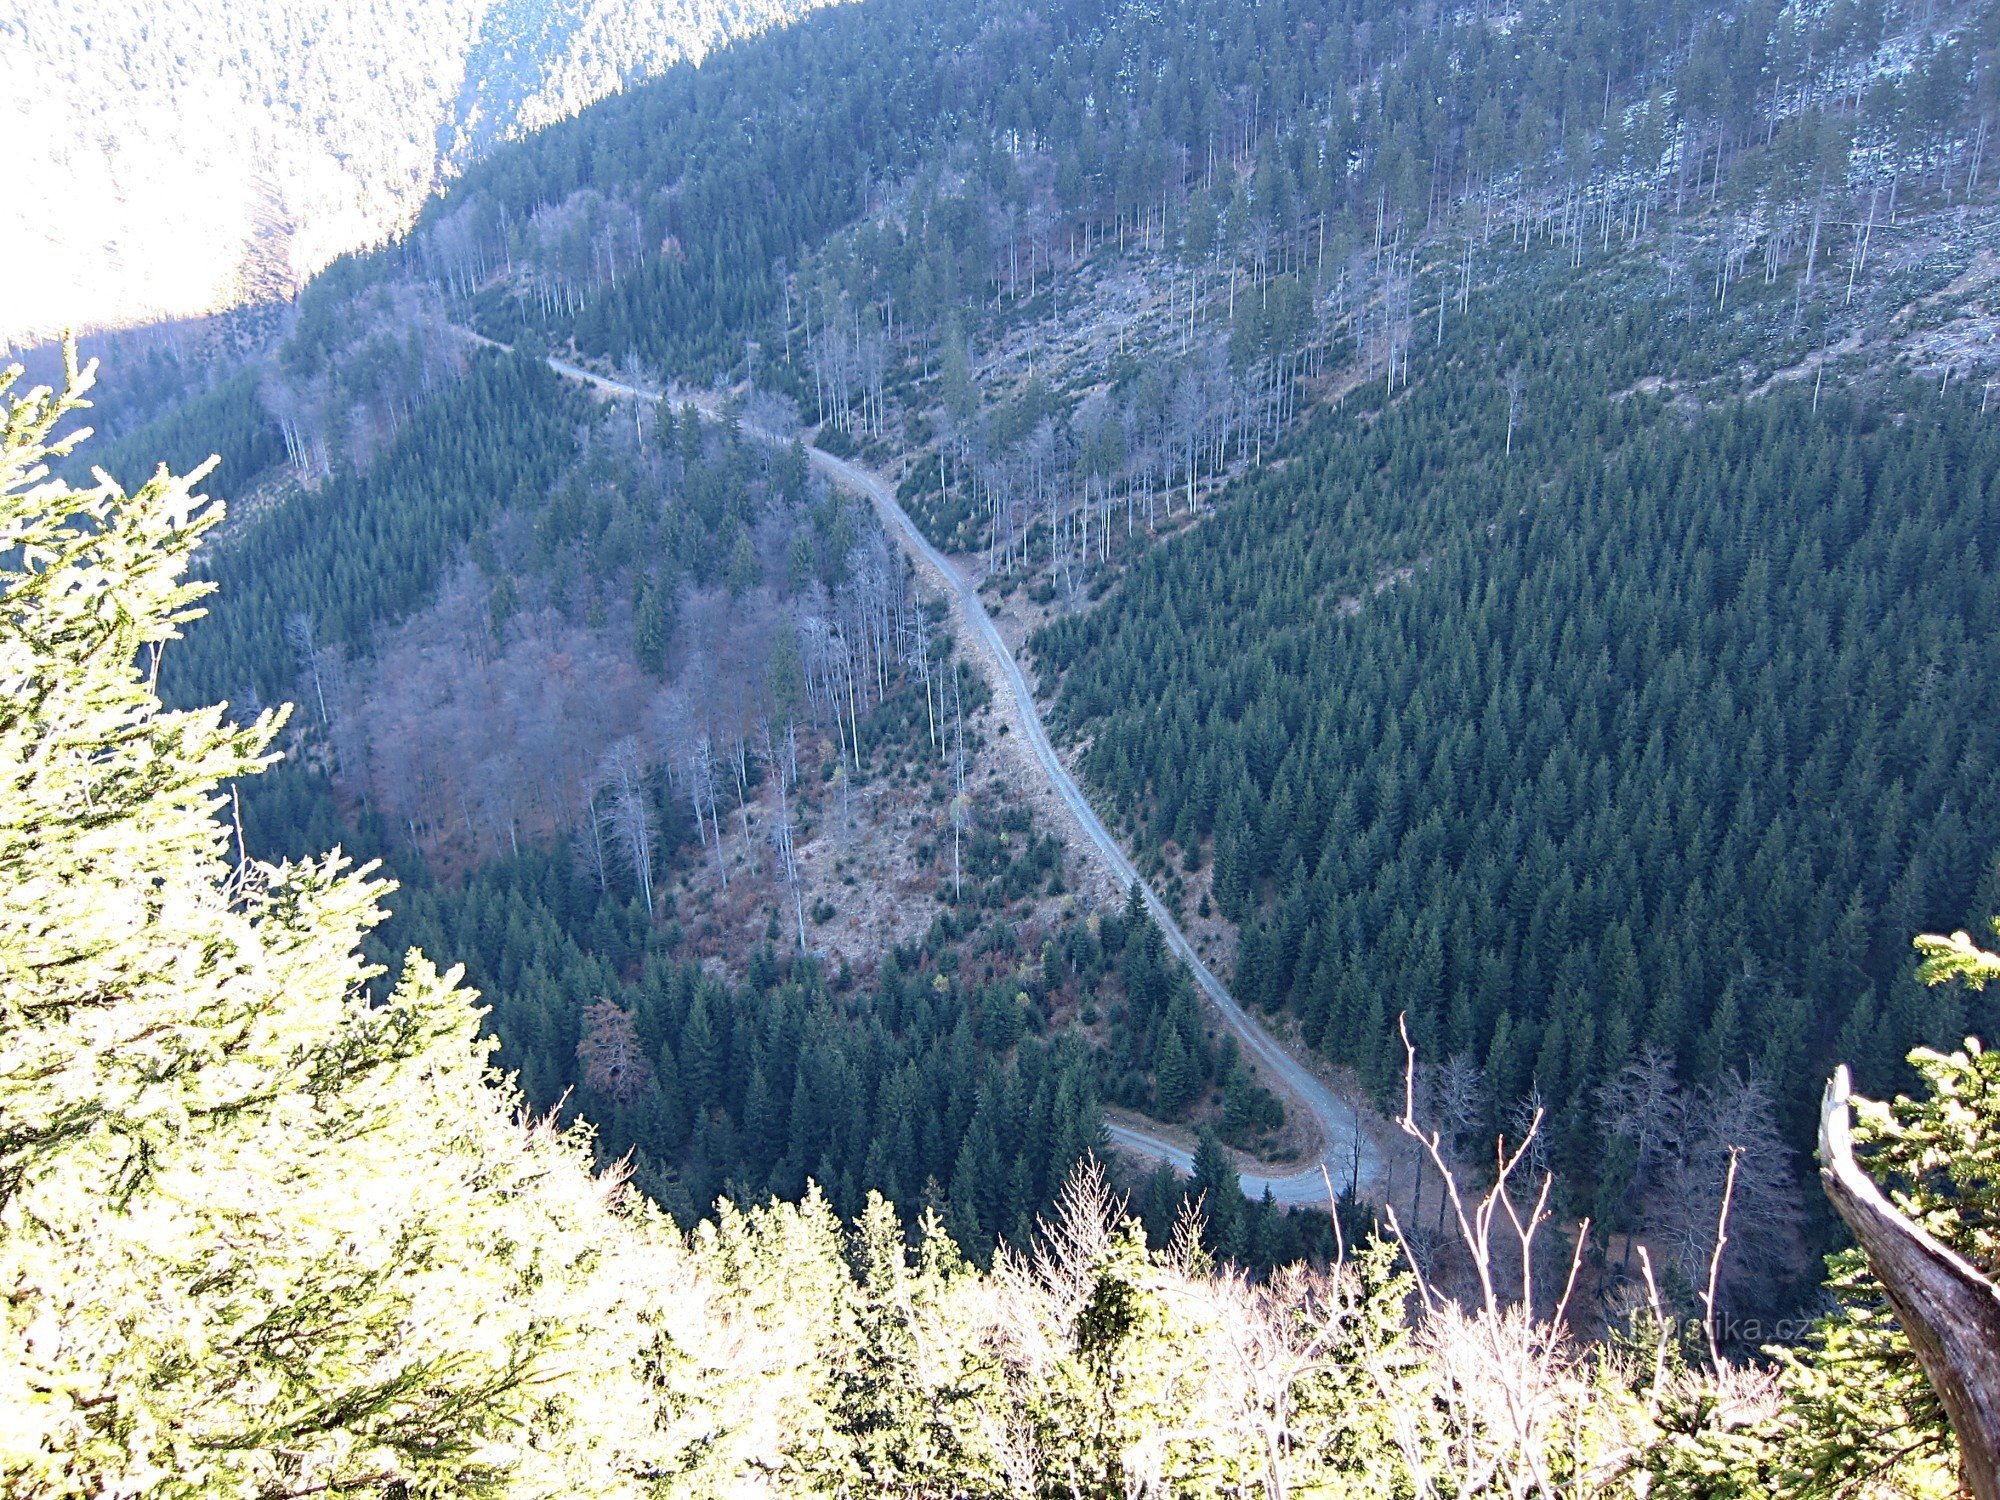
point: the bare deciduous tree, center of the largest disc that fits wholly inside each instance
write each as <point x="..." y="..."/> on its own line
<point x="301" y="636"/>
<point x="1735" y="1115"/>
<point x="625" y="804"/>
<point x="788" y="858"/>
<point x="960" y="807"/>
<point x="1642" y="1104"/>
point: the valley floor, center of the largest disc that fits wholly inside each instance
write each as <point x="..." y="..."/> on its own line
<point x="1344" y="1145"/>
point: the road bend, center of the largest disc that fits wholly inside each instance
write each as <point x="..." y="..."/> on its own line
<point x="1346" y="1154"/>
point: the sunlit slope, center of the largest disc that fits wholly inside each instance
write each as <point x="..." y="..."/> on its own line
<point x="190" y="155"/>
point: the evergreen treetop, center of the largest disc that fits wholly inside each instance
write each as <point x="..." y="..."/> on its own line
<point x="260" y="1232"/>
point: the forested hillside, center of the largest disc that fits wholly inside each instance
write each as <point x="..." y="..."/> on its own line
<point x="631" y="699"/>
<point x="1095" y="293"/>
<point x="1624" y="743"/>
<point x="1066" y="202"/>
<point x="1486" y="539"/>
<point x="268" y="1227"/>
<point x="254" y="143"/>
<point x="1096" y="257"/>
<point x="1504" y="505"/>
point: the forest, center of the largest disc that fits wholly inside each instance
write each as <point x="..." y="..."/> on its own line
<point x="605" y="686"/>
<point x="292" y="1232"/>
<point x="1502" y="506"/>
<point x="1366" y="431"/>
<point x="972" y="193"/>
<point x="1623" y="747"/>
<point x="924" y="1084"/>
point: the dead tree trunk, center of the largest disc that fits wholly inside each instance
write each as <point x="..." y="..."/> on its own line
<point x="1950" y="1312"/>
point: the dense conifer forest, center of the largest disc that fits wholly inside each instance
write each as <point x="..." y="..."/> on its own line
<point x="270" y="1227"/>
<point x="1503" y="507"/>
<point x="662" y="560"/>
<point x="1510" y="677"/>
<point x="1630" y="740"/>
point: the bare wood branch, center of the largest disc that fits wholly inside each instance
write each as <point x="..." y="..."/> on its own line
<point x="1715" y="1259"/>
<point x="1575" y="1267"/>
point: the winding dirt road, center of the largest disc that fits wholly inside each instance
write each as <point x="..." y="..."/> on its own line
<point x="1346" y="1154"/>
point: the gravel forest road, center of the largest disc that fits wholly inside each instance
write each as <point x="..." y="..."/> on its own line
<point x="1346" y="1154"/>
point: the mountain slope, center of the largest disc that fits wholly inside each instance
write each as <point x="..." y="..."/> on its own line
<point x="952" y="235"/>
<point x="1343" y="1147"/>
<point x="265" y="1233"/>
<point x="189" y="156"/>
<point x="1639" y="742"/>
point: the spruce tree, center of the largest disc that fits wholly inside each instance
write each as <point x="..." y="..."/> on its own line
<point x="266" y="1226"/>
